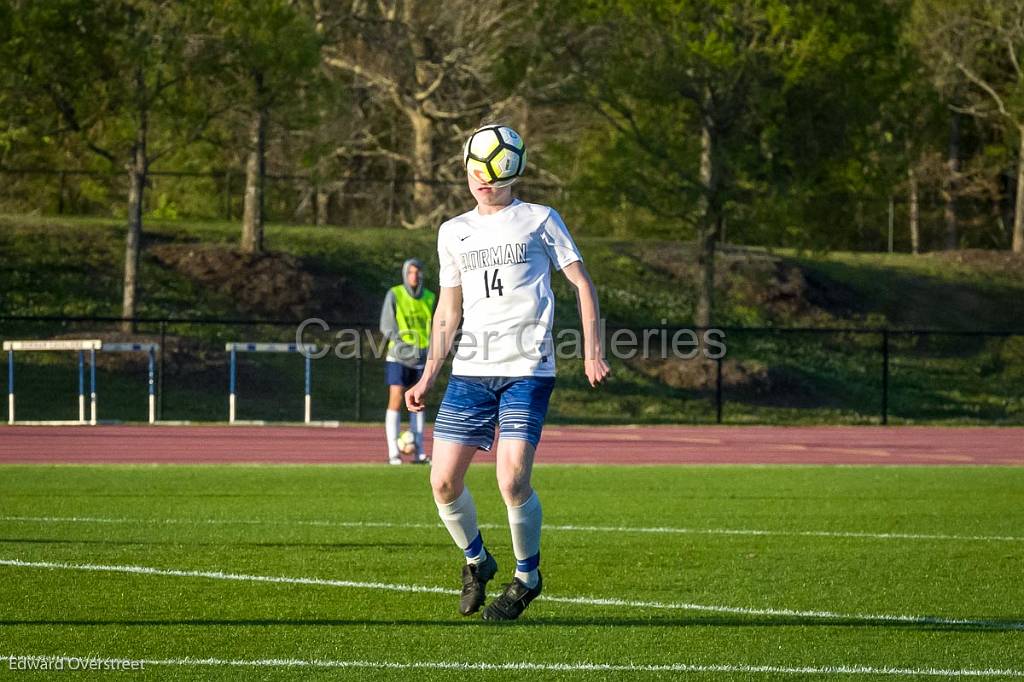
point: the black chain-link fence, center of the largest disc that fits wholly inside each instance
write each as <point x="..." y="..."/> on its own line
<point x="774" y="376"/>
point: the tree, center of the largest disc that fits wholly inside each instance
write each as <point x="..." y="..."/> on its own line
<point x="268" y="53"/>
<point x="699" y="98"/>
<point x="672" y="81"/>
<point x="914" y="119"/>
<point x="115" y="74"/>
<point x="795" y="93"/>
<point x="980" y="43"/>
<point x="432" y="67"/>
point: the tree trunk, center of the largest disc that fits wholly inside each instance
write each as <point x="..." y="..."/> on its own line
<point x="137" y="170"/>
<point x="915" y="212"/>
<point x="1018" y="212"/>
<point x="423" y="198"/>
<point x="423" y="50"/>
<point x="707" y="224"/>
<point x="322" y="207"/>
<point x="255" y="173"/>
<point x="950" y="185"/>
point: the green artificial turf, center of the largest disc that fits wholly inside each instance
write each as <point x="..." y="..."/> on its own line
<point x="288" y="521"/>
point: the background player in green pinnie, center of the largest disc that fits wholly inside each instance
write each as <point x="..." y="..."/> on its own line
<point x="495" y="277"/>
<point x="405" y="320"/>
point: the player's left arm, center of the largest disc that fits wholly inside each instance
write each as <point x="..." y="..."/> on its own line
<point x="594" y="364"/>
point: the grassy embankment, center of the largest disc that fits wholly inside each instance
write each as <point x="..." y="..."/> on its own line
<point x="72" y="267"/>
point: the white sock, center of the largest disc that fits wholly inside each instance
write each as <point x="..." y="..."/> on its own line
<point x="524" y="521"/>
<point x="416" y="426"/>
<point x="459" y="517"/>
<point x="392" y="423"/>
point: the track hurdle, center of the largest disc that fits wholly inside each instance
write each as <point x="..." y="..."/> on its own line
<point x="235" y="348"/>
<point x="151" y="349"/>
<point x="80" y="345"/>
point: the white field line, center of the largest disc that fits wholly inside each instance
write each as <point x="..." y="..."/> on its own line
<point x="551" y="527"/>
<point x="125" y="663"/>
<point x="584" y="601"/>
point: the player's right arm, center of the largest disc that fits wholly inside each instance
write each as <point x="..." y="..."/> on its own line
<point x="388" y="319"/>
<point x="447" y="317"/>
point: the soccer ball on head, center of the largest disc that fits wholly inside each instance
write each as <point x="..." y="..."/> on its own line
<point x="495" y="155"/>
<point x="406" y="443"/>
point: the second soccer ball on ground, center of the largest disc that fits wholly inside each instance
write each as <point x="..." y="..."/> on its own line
<point x="406" y="443"/>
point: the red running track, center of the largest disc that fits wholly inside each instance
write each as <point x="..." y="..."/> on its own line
<point x="561" y="444"/>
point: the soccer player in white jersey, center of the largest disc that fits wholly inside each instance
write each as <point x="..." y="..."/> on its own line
<point x="495" y="277"/>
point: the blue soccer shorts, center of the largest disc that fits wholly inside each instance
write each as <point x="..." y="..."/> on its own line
<point x="397" y="374"/>
<point x="473" y="406"/>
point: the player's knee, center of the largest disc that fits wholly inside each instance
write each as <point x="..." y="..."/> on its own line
<point x="444" y="487"/>
<point x="514" y="489"/>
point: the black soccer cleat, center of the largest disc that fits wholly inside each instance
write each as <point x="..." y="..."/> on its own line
<point x="474" y="584"/>
<point x="511" y="603"/>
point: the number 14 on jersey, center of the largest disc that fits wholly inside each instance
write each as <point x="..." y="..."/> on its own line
<point x="492" y="283"/>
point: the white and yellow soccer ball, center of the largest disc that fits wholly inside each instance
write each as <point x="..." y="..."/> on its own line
<point x="406" y="443"/>
<point x="495" y="155"/>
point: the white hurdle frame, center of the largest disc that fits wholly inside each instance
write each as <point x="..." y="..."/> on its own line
<point x="237" y="347"/>
<point x="151" y="349"/>
<point x="80" y="345"/>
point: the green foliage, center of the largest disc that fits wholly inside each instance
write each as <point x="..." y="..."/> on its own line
<point x="787" y="82"/>
<point x="92" y="69"/>
<point x="165" y="209"/>
<point x="820" y="108"/>
<point x="266" y="53"/>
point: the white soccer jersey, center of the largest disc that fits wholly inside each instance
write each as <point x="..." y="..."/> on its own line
<point x="503" y="263"/>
